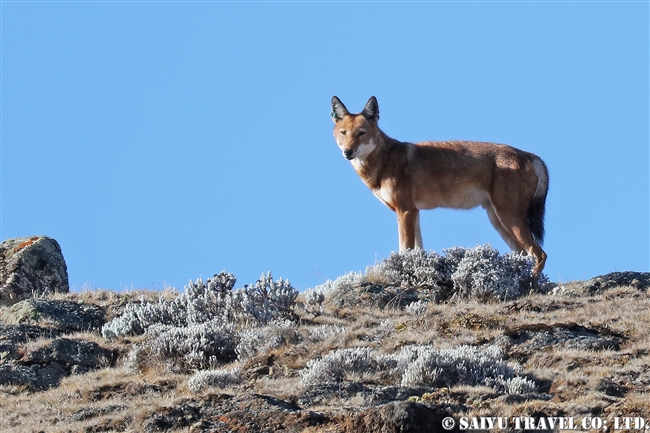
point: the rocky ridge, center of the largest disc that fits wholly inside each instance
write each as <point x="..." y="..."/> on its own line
<point x="43" y="351"/>
<point x="366" y="353"/>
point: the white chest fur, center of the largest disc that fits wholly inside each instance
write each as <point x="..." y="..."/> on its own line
<point x="385" y="195"/>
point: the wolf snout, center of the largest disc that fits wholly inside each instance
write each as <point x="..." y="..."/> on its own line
<point x="348" y="154"/>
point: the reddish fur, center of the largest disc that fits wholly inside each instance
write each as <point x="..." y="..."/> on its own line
<point x="451" y="174"/>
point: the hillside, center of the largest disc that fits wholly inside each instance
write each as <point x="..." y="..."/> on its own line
<point x="414" y="339"/>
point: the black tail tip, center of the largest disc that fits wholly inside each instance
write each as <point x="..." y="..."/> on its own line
<point x="536" y="213"/>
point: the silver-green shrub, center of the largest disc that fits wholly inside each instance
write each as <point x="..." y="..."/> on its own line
<point x="214" y="299"/>
<point x="256" y="341"/>
<point x="208" y="324"/>
<point x="315" y="297"/>
<point x="322" y="332"/>
<point x="410" y="268"/>
<point x="512" y="385"/>
<point x="417" y="308"/>
<point x="205" y="301"/>
<point x="425" y="366"/>
<point x="197" y="346"/>
<point x="483" y="272"/>
<point x="138" y="316"/>
<point x="266" y="300"/>
<point x="333" y="367"/>
<point x="218" y="378"/>
<point x="467" y="365"/>
<point x="479" y="272"/>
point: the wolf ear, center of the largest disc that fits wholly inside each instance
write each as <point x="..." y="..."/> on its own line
<point x="371" y="110"/>
<point x="338" y="109"/>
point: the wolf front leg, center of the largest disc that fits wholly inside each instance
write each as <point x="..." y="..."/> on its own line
<point x="408" y="226"/>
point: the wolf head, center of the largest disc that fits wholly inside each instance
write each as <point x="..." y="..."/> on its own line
<point x="356" y="134"/>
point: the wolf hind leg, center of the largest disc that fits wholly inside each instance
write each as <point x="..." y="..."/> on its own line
<point x="517" y="229"/>
<point x="505" y="235"/>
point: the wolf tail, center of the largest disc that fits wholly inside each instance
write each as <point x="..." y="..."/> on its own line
<point x="537" y="206"/>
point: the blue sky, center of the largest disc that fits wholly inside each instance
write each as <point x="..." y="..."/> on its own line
<point x="160" y="142"/>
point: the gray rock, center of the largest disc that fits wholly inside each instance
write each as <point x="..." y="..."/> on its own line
<point x="88" y="413"/>
<point x="639" y="280"/>
<point x="371" y="395"/>
<point x="522" y="341"/>
<point x="11" y="374"/>
<point x="36" y="377"/>
<point x="13" y="336"/>
<point x="603" y="283"/>
<point x="177" y="417"/>
<point x="612" y="388"/>
<point x="31" y="267"/>
<point x="397" y="417"/>
<point x="65" y="316"/>
<point x="48" y="376"/>
<point x="43" y="367"/>
<point x="75" y="356"/>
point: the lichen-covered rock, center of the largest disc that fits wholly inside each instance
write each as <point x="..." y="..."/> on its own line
<point x="31" y="267"/>
<point x="66" y="316"/>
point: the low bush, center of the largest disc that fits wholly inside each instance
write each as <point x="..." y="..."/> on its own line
<point x="257" y="304"/>
<point x="255" y="341"/>
<point x="208" y="324"/>
<point x="336" y="365"/>
<point x="484" y="273"/>
<point x="479" y="272"/>
<point x="421" y="366"/>
<point x="218" y="378"/>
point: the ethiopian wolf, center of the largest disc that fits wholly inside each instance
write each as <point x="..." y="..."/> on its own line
<point x="509" y="183"/>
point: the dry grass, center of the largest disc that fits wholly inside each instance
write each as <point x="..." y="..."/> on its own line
<point x="111" y="398"/>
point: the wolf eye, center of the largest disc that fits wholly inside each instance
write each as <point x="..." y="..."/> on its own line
<point x="343" y="132"/>
<point x="362" y="133"/>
